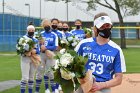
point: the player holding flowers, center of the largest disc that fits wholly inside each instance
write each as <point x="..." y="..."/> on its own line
<point x="27" y="46"/>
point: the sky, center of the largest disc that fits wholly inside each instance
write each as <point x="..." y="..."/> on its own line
<point x="58" y="10"/>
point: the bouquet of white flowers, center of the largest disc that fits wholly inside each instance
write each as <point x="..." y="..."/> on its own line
<point x="73" y="41"/>
<point x="63" y="43"/>
<point x="69" y="42"/>
<point x="39" y="37"/>
<point x="68" y="69"/>
<point x="88" y="32"/>
<point x="24" y="44"/>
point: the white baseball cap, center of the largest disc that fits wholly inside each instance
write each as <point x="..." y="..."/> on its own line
<point x="30" y="27"/>
<point x="101" y="21"/>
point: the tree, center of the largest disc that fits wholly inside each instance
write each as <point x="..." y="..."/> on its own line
<point x="123" y="8"/>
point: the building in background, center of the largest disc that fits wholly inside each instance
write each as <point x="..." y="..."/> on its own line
<point x="16" y="18"/>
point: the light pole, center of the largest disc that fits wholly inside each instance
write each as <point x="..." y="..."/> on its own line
<point x="67" y="10"/>
<point x="3" y="21"/>
<point x="29" y="8"/>
<point x="40" y="9"/>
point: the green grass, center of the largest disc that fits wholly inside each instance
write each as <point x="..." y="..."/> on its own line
<point x="128" y="41"/>
<point x="132" y="57"/>
<point x="10" y="67"/>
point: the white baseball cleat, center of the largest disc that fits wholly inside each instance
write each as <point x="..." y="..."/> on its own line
<point x="36" y="92"/>
<point x="56" y="91"/>
<point x="47" y="91"/>
<point x="59" y="88"/>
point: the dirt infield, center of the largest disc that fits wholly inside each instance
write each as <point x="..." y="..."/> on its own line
<point x="130" y="84"/>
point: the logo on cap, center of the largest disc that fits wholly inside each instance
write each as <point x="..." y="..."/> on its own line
<point x="102" y="18"/>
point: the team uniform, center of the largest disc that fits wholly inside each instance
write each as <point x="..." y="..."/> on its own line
<point x="51" y="43"/>
<point x="68" y="34"/>
<point x="28" y="69"/>
<point x="60" y="34"/>
<point x="79" y="33"/>
<point x="104" y="60"/>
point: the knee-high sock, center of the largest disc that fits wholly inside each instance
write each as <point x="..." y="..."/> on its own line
<point x="57" y="85"/>
<point x="46" y="81"/>
<point x="53" y="85"/>
<point x="38" y="83"/>
<point x="30" y="86"/>
<point x="22" y="87"/>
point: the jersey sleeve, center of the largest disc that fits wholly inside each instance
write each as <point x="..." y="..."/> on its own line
<point x="79" y="48"/>
<point x="63" y="35"/>
<point x="119" y="63"/>
<point x="37" y="48"/>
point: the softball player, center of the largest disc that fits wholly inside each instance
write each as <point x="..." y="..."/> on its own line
<point x="60" y="34"/>
<point x="28" y="68"/>
<point x="51" y="43"/>
<point x="65" y="28"/>
<point x="105" y="58"/>
<point x="78" y="32"/>
<point x="54" y="25"/>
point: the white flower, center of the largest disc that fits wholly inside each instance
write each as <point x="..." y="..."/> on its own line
<point x="21" y="41"/>
<point x="27" y="39"/>
<point x="70" y="38"/>
<point x="66" y="59"/>
<point x="62" y="51"/>
<point x="74" y="44"/>
<point x="56" y="64"/>
<point x="67" y="75"/>
<point x="64" y="41"/>
<point x="76" y="38"/>
<point x="89" y="30"/>
<point x="26" y="47"/>
<point x="17" y="47"/>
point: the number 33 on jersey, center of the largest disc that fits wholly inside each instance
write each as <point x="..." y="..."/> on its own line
<point x="103" y="60"/>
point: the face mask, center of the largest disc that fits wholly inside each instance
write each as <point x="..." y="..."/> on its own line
<point x="65" y="29"/>
<point x="30" y="34"/>
<point x="78" y="26"/>
<point x="105" y="33"/>
<point x="60" y="29"/>
<point x="47" y="28"/>
<point x="54" y="26"/>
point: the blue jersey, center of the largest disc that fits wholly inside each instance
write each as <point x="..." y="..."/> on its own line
<point x="51" y="40"/>
<point x="104" y="60"/>
<point x="67" y="34"/>
<point x="80" y="33"/>
<point x="60" y="34"/>
<point x="37" y="48"/>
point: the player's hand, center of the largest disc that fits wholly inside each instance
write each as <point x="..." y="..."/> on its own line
<point x="28" y="54"/>
<point x="43" y="48"/>
<point x="33" y="51"/>
<point x="59" y="48"/>
<point x="42" y="41"/>
<point x="97" y="86"/>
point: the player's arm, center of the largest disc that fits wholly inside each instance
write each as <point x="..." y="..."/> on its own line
<point x="119" y="68"/>
<point x="117" y="80"/>
<point x="78" y="48"/>
<point x="36" y="50"/>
